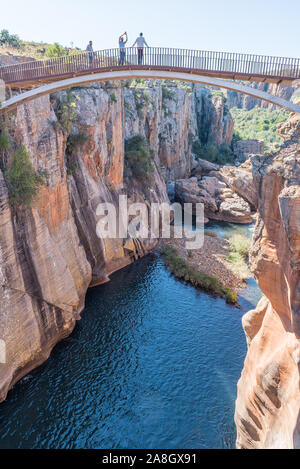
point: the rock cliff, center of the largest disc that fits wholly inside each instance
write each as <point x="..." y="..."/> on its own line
<point x="268" y="403"/>
<point x="172" y="117"/>
<point x="242" y="149"/>
<point x="243" y="101"/>
<point x="219" y="200"/>
<point x="50" y="253"/>
<point x="227" y="192"/>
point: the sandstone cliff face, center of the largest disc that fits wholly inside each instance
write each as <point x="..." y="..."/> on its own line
<point x="214" y="122"/>
<point x="50" y="253"/>
<point x="268" y="402"/>
<point x="239" y="100"/>
<point x="242" y="149"/>
<point x="228" y="193"/>
<point x="219" y="200"/>
<point x="172" y="120"/>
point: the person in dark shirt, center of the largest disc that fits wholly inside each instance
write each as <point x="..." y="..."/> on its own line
<point x="90" y="50"/>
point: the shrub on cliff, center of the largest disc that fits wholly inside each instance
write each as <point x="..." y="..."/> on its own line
<point x="241" y="244"/>
<point x="66" y="111"/>
<point x="5" y="145"/>
<point x="260" y="124"/>
<point x="80" y="140"/>
<point x="113" y="98"/>
<point x="167" y="94"/>
<point x="225" y="154"/>
<point x="199" y="279"/>
<point x="236" y="137"/>
<point x="210" y="152"/>
<point x="22" y="180"/>
<point x="142" y="99"/>
<point x="138" y="159"/>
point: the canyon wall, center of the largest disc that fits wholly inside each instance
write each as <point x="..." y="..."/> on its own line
<point x="50" y="253"/>
<point x="268" y="403"/>
<point x="243" y="101"/>
<point x="172" y="117"/>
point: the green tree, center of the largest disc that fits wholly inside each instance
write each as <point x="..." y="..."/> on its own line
<point x="137" y="159"/>
<point x="11" y="40"/>
<point x="56" y="50"/>
<point x="225" y="154"/>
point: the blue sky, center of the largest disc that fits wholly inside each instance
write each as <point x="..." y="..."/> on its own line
<point x="269" y="27"/>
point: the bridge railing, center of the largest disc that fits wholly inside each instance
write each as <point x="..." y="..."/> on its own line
<point x="182" y="59"/>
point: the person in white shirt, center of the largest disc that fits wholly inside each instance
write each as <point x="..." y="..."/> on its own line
<point x="140" y="42"/>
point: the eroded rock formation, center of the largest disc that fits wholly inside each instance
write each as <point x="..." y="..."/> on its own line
<point x="50" y="253"/>
<point x="268" y="402"/>
<point x="227" y="193"/>
<point x="239" y="100"/>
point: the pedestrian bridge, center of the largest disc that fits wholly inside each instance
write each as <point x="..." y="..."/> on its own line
<point x="218" y="69"/>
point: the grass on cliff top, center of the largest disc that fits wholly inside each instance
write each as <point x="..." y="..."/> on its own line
<point x="259" y="124"/>
<point x="199" y="279"/>
<point x="239" y="246"/>
<point x="12" y="44"/>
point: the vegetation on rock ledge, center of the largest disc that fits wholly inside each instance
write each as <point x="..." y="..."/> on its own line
<point x="199" y="279"/>
<point x="22" y="180"/>
<point x="66" y="111"/>
<point x="210" y="152"/>
<point x="259" y="124"/>
<point x="138" y="159"/>
<point x="238" y="255"/>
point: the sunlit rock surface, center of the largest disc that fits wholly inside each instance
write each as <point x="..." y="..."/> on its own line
<point x="268" y="402"/>
<point x="225" y="193"/>
<point x="50" y="254"/>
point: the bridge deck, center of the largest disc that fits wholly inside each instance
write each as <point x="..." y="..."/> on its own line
<point x="213" y="64"/>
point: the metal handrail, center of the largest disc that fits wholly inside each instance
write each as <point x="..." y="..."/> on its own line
<point x="222" y="63"/>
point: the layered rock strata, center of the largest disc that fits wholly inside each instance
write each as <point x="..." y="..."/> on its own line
<point x="227" y="192"/>
<point x="268" y="402"/>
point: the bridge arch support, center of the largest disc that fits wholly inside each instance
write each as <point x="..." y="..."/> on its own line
<point x="43" y="90"/>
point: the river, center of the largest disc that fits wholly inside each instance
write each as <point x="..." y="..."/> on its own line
<point x="153" y="363"/>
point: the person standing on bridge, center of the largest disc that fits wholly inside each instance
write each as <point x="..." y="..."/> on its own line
<point x="122" y="42"/>
<point x="140" y="42"/>
<point x="90" y="50"/>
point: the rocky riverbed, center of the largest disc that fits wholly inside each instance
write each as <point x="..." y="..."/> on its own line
<point x="212" y="259"/>
<point x="227" y="192"/>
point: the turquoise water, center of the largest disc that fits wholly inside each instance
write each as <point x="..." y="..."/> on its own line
<point x="225" y="229"/>
<point x="153" y="363"/>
